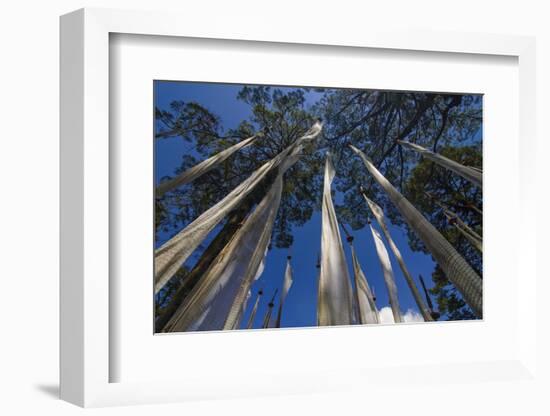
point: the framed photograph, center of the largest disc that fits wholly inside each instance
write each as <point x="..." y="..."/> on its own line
<point x="278" y="212"/>
<point x="253" y="167"/>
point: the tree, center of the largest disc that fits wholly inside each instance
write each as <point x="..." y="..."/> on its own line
<point x="282" y="116"/>
<point x="372" y="120"/>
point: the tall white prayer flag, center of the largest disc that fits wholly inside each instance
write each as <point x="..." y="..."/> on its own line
<point x="476" y="242"/>
<point x="212" y="300"/>
<point x="216" y="302"/>
<point x="235" y="312"/>
<point x="388" y="274"/>
<point x="456" y="269"/>
<point x="245" y="303"/>
<point x="364" y="299"/>
<point x="379" y="215"/>
<point x="287" y="282"/>
<point x="201" y="168"/>
<point x="473" y="175"/>
<point x="172" y="254"/>
<point x="334" y="303"/>
<point x="254" y="310"/>
<point x="474" y="238"/>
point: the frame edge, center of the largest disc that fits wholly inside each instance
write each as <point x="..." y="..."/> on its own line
<point x="71" y="218"/>
<point x="82" y="383"/>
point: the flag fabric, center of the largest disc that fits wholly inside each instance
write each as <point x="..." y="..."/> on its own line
<point x="245" y="303"/>
<point x="235" y="312"/>
<point x="474" y="241"/>
<point x="173" y="253"/>
<point x="287" y="282"/>
<point x="474" y="238"/>
<point x="250" y="322"/>
<point x="201" y="168"/>
<point x="267" y="318"/>
<point x="216" y="302"/>
<point x="456" y="269"/>
<point x="211" y="303"/>
<point x="379" y="215"/>
<point x="318" y="292"/>
<point x="334" y="303"/>
<point x="474" y="175"/>
<point x="388" y="274"/>
<point x="367" y="313"/>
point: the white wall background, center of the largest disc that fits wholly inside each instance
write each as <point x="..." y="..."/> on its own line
<point x="29" y="207"/>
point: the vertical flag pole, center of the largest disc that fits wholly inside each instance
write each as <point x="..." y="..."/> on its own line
<point x="250" y="322"/>
<point x="434" y="313"/>
<point x="270" y="306"/>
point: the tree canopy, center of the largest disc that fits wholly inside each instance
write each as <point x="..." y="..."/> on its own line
<point x="371" y="120"/>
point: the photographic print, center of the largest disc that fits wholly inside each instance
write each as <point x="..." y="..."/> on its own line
<point x="300" y="206"/>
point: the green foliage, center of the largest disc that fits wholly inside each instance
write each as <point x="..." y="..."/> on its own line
<point x="169" y="289"/>
<point x="282" y="116"/>
<point x="449" y="301"/>
<point x="373" y="121"/>
<point x="189" y="121"/>
<point x="428" y="183"/>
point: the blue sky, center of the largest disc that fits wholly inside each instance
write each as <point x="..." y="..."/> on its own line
<point x="300" y="305"/>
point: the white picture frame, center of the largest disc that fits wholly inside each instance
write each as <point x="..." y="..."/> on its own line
<point x="85" y="165"/>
